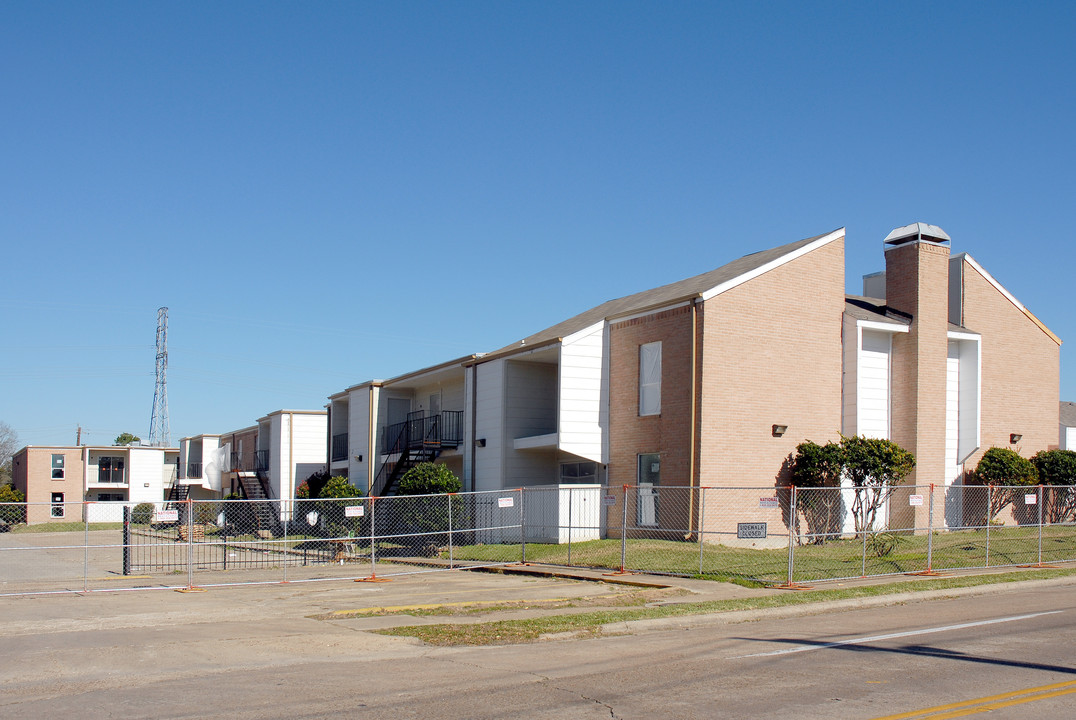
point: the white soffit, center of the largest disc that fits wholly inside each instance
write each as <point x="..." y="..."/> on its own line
<point x="762" y="269"/>
<point x="955" y="335"/>
<point x="883" y="326"/>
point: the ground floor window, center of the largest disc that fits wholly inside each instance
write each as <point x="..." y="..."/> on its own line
<point x="110" y="497"/>
<point x="649" y="478"/>
<point x="58" y="505"/>
<point x="578" y="473"/>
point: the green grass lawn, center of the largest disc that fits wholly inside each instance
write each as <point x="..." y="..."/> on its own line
<point x="834" y="559"/>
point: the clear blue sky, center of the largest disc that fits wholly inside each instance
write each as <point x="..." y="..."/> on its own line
<point x="324" y="193"/>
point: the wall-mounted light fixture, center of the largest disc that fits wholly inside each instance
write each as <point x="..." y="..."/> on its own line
<point x="779" y="430"/>
<point x="358" y="458"/>
<point x="1015" y="438"/>
<point x="480" y="442"/>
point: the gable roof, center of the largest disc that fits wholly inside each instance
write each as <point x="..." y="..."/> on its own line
<point x="705" y="285"/>
<point x="1068" y="414"/>
<point x="1006" y="294"/>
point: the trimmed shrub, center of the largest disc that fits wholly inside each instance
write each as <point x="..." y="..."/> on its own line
<point x="1005" y="468"/>
<point x="429" y="478"/>
<point x="15" y="512"/>
<point x="1056" y="467"/>
<point x="142" y="514"/>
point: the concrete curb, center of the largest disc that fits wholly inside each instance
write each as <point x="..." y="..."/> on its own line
<point x="821" y="606"/>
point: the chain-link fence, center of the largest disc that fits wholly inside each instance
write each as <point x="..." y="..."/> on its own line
<point x="761" y="534"/>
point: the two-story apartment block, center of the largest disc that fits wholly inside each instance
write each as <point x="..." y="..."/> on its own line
<point x="267" y="460"/>
<point x="58" y="480"/>
<point x="714" y="380"/>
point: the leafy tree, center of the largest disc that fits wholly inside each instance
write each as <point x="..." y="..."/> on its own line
<point x="429" y="518"/>
<point x="1007" y="470"/>
<point x="339" y="487"/>
<point x="875" y="467"/>
<point x="1057" y="468"/>
<point x="127" y="438"/>
<point x="818" y="466"/>
<point x="16" y="511"/>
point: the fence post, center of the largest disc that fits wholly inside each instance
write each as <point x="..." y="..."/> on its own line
<point x="989" y="518"/>
<point x="570" y="493"/>
<point x="86" y="549"/>
<point x="448" y="498"/>
<point x="190" y="543"/>
<point x="702" y="519"/>
<point x="930" y="531"/>
<point x="793" y="517"/>
<point x="624" y="532"/>
<point x="373" y="542"/>
<point x="523" y="521"/>
<point x="863" y="528"/>
<point x="290" y="512"/>
<point x="126" y="540"/>
<point x="1040" y="524"/>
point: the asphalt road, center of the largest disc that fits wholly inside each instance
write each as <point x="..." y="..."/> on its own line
<point x="1012" y="644"/>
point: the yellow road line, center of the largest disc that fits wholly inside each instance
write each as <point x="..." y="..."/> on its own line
<point x="431" y="606"/>
<point x="983" y="704"/>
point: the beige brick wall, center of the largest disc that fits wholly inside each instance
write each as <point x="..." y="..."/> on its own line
<point x="917" y="282"/>
<point x="32" y="473"/>
<point x="771" y="354"/>
<point x="1020" y="372"/>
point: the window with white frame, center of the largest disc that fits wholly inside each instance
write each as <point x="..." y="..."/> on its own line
<point x="650" y="379"/>
<point x="57" y="505"/>
<point x="58" y="466"/>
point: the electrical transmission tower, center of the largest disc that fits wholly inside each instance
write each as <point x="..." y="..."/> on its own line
<point x="158" y="422"/>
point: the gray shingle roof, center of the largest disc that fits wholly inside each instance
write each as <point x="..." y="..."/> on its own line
<point x="664" y="295"/>
<point x="865" y="308"/>
<point x="1068" y="413"/>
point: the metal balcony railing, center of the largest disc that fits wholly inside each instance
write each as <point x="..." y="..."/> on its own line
<point x="194" y="470"/>
<point x="442" y="431"/>
<point x="339" y="447"/>
<point x="261" y="460"/>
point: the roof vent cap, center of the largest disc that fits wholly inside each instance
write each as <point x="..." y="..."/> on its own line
<point x="917" y="232"/>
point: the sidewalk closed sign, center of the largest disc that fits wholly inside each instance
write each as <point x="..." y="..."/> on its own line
<point x="750" y="531"/>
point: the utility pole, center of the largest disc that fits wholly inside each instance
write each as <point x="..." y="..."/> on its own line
<point x="78" y="436"/>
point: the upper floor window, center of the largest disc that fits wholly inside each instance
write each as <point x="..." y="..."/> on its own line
<point x="650" y="379"/>
<point x="110" y="469"/>
<point x="58" y="466"/>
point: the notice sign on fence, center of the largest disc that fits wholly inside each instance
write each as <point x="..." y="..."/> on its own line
<point x="1031" y="499"/>
<point x="609" y="500"/>
<point x="163" y="516"/>
<point x="354" y="511"/>
<point x="750" y="531"/>
<point x="506" y="502"/>
<point x="768" y="502"/>
<point x="915" y="500"/>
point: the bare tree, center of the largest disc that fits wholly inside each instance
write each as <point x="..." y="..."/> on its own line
<point x="9" y="443"/>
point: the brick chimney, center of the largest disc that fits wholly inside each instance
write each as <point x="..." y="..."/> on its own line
<point x="917" y="283"/>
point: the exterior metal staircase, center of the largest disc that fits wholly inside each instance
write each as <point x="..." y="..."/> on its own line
<point x="417" y="440"/>
<point x="266" y="512"/>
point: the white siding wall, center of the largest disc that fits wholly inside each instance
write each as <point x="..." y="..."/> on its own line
<point x="1068" y="438"/>
<point x="307" y="449"/>
<point x="850" y="351"/>
<point x="144" y="466"/>
<point x="530" y="409"/>
<point x="872" y="391"/>
<point x="358" y="437"/>
<point x="582" y="380"/>
<point x="489" y="424"/>
<point x="953" y="467"/>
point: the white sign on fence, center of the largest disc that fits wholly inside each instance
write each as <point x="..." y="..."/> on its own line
<point x="750" y="531"/>
<point x="1031" y="499"/>
<point x="609" y="500"/>
<point x="915" y="500"/>
<point x="354" y="511"/>
<point x="768" y="502"/>
<point x="163" y="516"/>
<point x="506" y="502"/>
